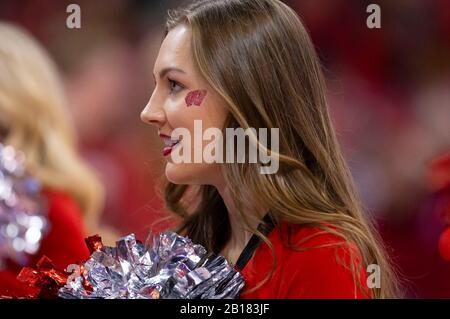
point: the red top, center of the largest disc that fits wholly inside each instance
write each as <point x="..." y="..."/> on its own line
<point x="64" y="244"/>
<point x="317" y="272"/>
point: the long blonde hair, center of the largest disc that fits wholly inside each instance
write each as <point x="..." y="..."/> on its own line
<point x="34" y="119"/>
<point x="258" y="57"/>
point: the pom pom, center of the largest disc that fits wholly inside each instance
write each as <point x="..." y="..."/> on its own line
<point x="171" y="267"/>
<point x="23" y="219"/>
<point x="45" y="277"/>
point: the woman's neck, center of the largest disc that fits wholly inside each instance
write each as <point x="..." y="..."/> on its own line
<point x="240" y="234"/>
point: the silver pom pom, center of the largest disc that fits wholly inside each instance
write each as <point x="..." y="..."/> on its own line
<point x="171" y="268"/>
<point x="23" y="220"/>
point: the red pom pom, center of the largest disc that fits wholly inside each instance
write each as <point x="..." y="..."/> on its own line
<point x="94" y="243"/>
<point x="46" y="278"/>
<point x="444" y="244"/>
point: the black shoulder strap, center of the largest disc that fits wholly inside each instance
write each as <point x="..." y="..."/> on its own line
<point x="265" y="227"/>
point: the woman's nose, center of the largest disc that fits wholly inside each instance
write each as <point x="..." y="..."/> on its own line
<point x="153" y="115"/>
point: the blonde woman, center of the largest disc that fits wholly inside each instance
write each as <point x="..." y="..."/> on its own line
<point x="299" y="232"/>
<point x="34" y="120"/>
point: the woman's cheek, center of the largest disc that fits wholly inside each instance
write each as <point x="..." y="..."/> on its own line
<point x="191" y="107"/>
<point x="178" y="115"/>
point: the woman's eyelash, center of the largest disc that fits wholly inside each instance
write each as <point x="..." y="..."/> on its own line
<point x="174" y="86"/>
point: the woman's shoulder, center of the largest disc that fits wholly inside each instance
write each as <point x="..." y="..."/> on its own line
<point x="299" y="238"/>
<point x="325" y="262"/>
<point x="64" y="243"/>
<point x="57" y="197"/>
<point x="62" y="207"/>
<point x="306" y="247"/>
<point x="317" y="262"/>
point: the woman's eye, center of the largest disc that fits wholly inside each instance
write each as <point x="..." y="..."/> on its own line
<point x="174" y="86"/>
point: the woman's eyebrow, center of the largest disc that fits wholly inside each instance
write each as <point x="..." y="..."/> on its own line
<point x="164" y="71"/>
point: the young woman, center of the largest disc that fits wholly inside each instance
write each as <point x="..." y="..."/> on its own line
<point x="33" y="119"/>
<point x="297" y="233"/>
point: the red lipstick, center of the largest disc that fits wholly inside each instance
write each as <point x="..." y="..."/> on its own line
<point x="169" y="144"/>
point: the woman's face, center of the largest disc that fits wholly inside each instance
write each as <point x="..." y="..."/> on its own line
<point x="182" y="95"/>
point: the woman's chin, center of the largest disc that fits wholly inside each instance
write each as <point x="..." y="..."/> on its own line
<point x="172" y="174"/>
<point x="190" y="173"/>
<point x="178" y="173"/>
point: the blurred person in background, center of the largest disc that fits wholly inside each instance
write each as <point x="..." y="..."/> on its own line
<point x="34" y="120"/>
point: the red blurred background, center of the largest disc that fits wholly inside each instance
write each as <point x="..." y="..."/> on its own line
<point x="389" y="93"/>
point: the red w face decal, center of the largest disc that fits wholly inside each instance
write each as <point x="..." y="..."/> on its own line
<point x="195" y="97"/>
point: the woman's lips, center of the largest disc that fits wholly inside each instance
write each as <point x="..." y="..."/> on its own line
<point x="168" y="149"/>
<point x="169" y="144"/>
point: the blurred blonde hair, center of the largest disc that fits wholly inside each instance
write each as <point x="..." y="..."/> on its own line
<point x="33" y="118"/>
